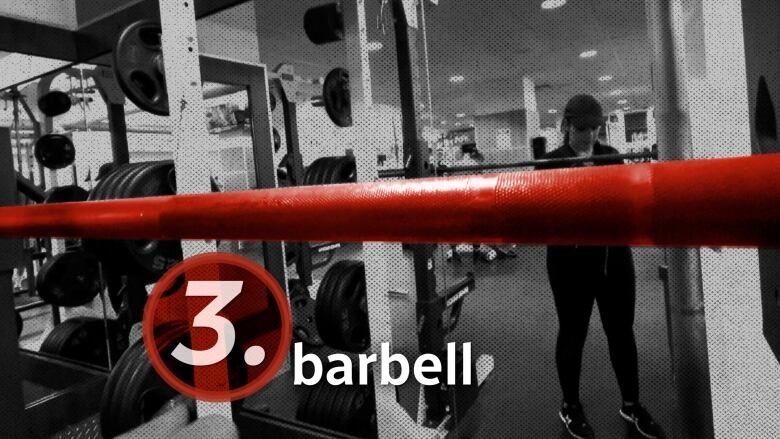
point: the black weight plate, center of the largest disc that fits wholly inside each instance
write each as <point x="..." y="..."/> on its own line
<point x="107" y="405"/>
<point x="347" y="170"/>
<point x="152" y="182"/>
<point x="71" y="278"/>
<point x="331" y="295"/>
<point x="335" y="93"/>
<point x="112" y="408"/>
<point x="52" y="344"/>
<point x="319" y="167"/>
<point x="351" y="322"/>
<point x="354" y="313"/>
<point x="138" y="66"/>
<point x="19" y="323"/>
<point x="309" y="174"/>
<point x="324" y="24"/>
<point x="108" y="250"/>
<point x="54" y="151"/>
<point x="65" y="194"/>
<point x="340" y="418"/>
<point x="87" y="343"/>
<point x="337" y="411"/>
<point x="330" y="316"/>
<point x="106" y="183"/>
<point x="329" y="169"/>
<point x="120" y="184"/>
<point x="105" y="169"/>
<point x="134" y="392"/>
<point x="151" y="257"/>
<point x="54" y="103"/>
<point x="362" y="411"/>
<point x="320" y="170"/>
<point x="322" y="310"/>
<point x="277" y="140"/>
<point x="310" y="410"/>
<point x="304" y="325"/>
<point x="325" y="403"/>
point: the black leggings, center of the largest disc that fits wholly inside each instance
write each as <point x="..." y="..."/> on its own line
<point x="577" y="277"/>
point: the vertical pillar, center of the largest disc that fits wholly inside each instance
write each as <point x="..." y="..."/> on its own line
<point x="685" y="301"/>
<point x="532" y="122"/>
<point x="11" y="402"/>
<point x="187" y="120"/>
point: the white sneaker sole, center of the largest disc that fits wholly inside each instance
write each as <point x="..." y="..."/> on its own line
<point x="631" y="420"/>
<point x="571" y="433"/>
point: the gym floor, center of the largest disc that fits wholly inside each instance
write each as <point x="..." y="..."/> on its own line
<point x="511" y="315"/>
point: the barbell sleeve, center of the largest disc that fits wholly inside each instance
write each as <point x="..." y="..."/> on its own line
<point x="728" y="202"/>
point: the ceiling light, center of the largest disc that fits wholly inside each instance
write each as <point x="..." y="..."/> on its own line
<point x="622" y="102"/>
<point x="373" y="46"/>
<point x="553" y="4"/>
<point x="605" y="78"/>
<point x="457" y="124"/>
<point x="588" y="54"/>
<point x="456" y="79"/>
<point x="459" y="115"/>
<point x="552" y="111"/>
<point x="444" y="122"/>
<point x="616" y="92"/>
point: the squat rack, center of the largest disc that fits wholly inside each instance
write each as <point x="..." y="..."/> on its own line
<point x="92" y="40"/>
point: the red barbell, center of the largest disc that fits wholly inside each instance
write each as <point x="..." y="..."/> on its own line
<point x="715" y="202"/>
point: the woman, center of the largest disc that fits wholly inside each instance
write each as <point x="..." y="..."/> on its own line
<point x="580" y="275"/>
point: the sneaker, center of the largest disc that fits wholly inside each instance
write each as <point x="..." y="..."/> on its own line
<point x="573" y="418"/>
<point x="642" y="421"/>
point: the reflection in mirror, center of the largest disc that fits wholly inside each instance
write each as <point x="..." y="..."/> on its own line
<point x="500" y="77"/>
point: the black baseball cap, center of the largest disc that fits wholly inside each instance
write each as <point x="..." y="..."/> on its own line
<point x="584" y="111"/>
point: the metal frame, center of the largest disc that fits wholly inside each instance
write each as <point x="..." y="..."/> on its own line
<point x="392" y="173"/>
<point x="91" y="39"/>
<point x="255" y="78"/>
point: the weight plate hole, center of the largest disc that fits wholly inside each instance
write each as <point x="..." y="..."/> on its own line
<point x="145" y="84"/>
<point x="150" y="36"/>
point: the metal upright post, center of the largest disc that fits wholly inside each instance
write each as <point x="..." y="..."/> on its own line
<point x="431" y="336"/>
<point x="685" y="298"/>
<point x="11" y="398"/>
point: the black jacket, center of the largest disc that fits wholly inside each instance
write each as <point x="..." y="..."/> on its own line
<point x="612" y="261"/>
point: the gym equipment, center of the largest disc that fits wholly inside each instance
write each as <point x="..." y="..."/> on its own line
<point x="714" y="202"/>
<point x="84" y="339"/>
<point x="71" y="278"/>
<point x="303" y="308"/>
<point x="277" y="140"/>
<point x="65" y="194"/>
<point x="331" y="170"/>
<point x="347" y="409"/>
<point x="637" y="157"/>
<point x="324" y="24"/>
<point x="54" y="103"/>
<point x="134" y="392"/>
<point x="454" y="399"/>
<point x="121" y="287"/>
<point x="19" y="323"/>
<point x="139" y="67"/>
<point x="29" y="189"/>
<point x="147" y="259"/>
<point x="341" y="311"/>
<point x="336" y="97"/>
<point x="54" y="151"/>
